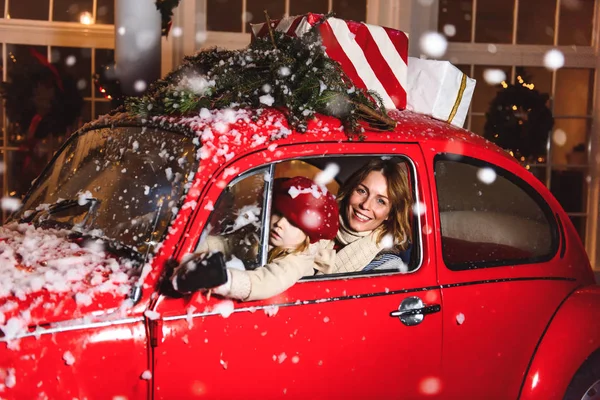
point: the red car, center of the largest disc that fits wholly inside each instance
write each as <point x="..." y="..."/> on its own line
<point x="497" y="300"/>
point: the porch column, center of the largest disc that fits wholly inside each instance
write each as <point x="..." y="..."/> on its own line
<point x="411" y="16"/>
<point x="137" y="44"/>
<point x="592" y="242"/>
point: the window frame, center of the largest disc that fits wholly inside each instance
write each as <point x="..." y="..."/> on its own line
<point x="417" y="233"/>
<point x="417" y="254"/>
<point x="266" y="207"/>
<point x="549" y="214"/>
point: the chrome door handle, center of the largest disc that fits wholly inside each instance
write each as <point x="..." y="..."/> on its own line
<point x="412" y="310"/>
<point x="425" y="310"/>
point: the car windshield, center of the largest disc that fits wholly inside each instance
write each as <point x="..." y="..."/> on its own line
<point x="121" y="183"/>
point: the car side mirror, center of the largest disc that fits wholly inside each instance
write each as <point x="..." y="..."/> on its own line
<point x="199" y="273"/>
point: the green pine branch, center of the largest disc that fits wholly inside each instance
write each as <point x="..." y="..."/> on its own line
<point x="295" y="72"/>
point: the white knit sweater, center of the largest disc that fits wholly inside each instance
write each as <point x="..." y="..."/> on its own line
<point x="359" y="250"/>
<point x="275" y="277"/>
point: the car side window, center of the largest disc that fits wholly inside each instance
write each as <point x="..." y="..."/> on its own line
<point x="402" y="257"/>
<point x="236" y="222"/>
<point x="490" y="217"/>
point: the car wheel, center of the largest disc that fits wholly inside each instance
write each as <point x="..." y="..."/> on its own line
<point x="585" y="385"/>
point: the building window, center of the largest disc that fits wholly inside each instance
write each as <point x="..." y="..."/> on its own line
<point x="558" y="155"/>
<point x="519" y="21"/>
<point x="236" y="15"/>
<point x="29" y="9"/>
<point x="81" y="57"/>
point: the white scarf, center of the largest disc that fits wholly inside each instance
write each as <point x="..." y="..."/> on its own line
<point x="359" y="249"/>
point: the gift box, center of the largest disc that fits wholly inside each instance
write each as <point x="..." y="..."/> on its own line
<point x="373" y="57"/>
<point x="439" y="89"/>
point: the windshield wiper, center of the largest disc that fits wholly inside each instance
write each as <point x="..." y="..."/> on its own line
<point x="71" y="208"/>
<point x="112" y="246"/>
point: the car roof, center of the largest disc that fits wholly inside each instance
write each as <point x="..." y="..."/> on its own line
<point x="249" y="130"/>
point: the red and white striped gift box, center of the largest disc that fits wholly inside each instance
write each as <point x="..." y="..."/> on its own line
<point x="373" y="57"/>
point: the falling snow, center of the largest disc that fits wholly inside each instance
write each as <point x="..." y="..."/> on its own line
<point x="554" y="59"/>
<point x="140" y="85"/>
<point x="11" y="379"/>
<point x="146" y="375"/>
<point x="10" y="204"/>
<point x="70" y="61"/>
<point x="177" y="31"/>
<point x="494" y="76"/>
<point x="201" y="37"/>
<point x="68" y="357"/>
<point x="430" y="386"/>
<point x="559" y="137"/>
<point x="327" y="175"/>
<point x="486" y="175"/>
<point x="225" y="308"/>
<point x="152" y="315"/>
<point x="433" y="44"/>
<point x="271" y="311"/>
<point x="419" y="208"/>
<point x="387" y="242"/>
<point x="449" y="30"/>
<point x="315" y="190"/>
<point x="281" y="358"/>
<point x="266" y="99"/>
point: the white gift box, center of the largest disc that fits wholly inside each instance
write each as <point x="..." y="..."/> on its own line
<point x="439" y="89"/>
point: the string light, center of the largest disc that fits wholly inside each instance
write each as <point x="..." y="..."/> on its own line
<point x="86" y="18"/>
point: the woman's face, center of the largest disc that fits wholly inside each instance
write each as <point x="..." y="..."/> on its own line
<point x="284" y="234"/>
<point x="369" y="205"/>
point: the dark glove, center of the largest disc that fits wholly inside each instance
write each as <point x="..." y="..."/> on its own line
<point x="200" y="273"/>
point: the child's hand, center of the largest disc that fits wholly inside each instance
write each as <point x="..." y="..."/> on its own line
<point x="203" y="271"/>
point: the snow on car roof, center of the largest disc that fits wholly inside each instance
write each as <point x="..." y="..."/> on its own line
<point x="224" y="133"/>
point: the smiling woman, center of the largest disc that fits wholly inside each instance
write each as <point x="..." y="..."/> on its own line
<point x="375" y="204"/>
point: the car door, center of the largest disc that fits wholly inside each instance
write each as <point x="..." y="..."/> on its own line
<point x="500" y="269"/>
<point x="352" y="335"/>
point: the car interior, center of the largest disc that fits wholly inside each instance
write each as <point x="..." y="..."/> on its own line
<point x="238" y="212"/>
<point x="347" y="165"/>
<point x="497" y="222"/>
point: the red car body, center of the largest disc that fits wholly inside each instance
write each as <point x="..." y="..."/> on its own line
<point x="505" y="332"/>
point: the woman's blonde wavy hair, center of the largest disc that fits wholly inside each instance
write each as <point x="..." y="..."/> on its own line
<point x="399" y="195"/>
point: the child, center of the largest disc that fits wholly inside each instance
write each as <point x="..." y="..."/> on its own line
<point x="304" y="220"/>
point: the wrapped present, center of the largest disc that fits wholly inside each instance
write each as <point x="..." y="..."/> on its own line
<point x="373" y="57"/>
<point x="439" y="89"/>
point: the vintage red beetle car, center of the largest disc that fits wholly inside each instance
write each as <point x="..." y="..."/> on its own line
<point x="498" y="300"/>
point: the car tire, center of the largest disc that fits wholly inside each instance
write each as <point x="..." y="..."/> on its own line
<point x="585" y="384"/>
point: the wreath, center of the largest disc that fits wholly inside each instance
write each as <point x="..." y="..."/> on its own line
<point x="519" y="119"/>
<point x="166" y="14"/>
